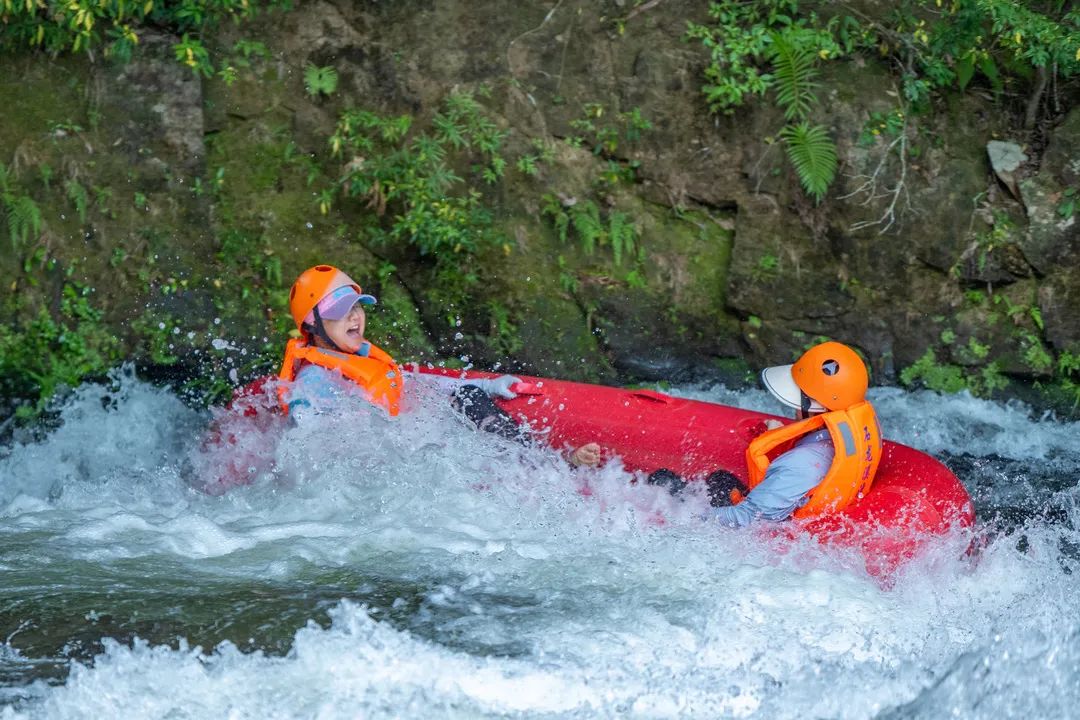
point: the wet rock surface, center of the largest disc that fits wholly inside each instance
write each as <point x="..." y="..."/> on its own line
<point x="758" y="272"/>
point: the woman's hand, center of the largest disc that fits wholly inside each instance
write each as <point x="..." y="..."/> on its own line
<point x="587" y="455"/>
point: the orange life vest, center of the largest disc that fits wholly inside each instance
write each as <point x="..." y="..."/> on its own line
<point x="856" y="438"/>
<point x="376" y="373"/>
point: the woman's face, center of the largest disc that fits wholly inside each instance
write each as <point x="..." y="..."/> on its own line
<point x="348" y="332"/>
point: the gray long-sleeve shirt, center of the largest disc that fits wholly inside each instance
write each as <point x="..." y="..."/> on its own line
<point x="786" y="484"/>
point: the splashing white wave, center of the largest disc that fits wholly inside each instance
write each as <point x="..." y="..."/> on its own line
<point x="609" y="612"/>
<point x="935" y="423"/>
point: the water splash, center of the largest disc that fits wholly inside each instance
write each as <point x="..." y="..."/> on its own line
<point x="417" y="568"/>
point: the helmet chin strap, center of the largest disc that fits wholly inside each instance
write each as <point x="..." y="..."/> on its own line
<point x="806" y="402"/>
<point x="320" y="331"/>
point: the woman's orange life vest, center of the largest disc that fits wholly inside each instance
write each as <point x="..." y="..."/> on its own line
<point x="856" y="438"/>
<point x="376" y="373"/>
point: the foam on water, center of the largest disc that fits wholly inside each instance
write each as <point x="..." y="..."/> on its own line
<point x="508" y="583"/>
<point x="935" y="423"/>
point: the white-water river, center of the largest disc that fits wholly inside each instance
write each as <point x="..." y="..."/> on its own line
<point x="418" y="569"/>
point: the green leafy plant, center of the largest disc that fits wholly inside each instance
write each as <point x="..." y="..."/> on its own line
<point x="503" y="338"/>
<point x="636" y="279"/>
<point x="794" y="74"/>
<point x="542" y="154"/>
<point x="78" y="196"/>
<point x="583" y="220"/>
<point x="977" y="349"/>
<point x="940" y="377"/>
<point x="246" y="50"/>
<point x="155" y="329"/>
<point x="191" y="52"/>
<point x="45" y="171"/>
<point x="102" y="198"/>
<point x="1069" y="203"/>
<point x="527" y="165"/>
<point x="888" y="125"/>
<point x="409" y="180"/>
<point x="756" y="47"/>
<point x="115" y="26"/>
<point x="606" y="136"/>
<point x="944" y="45"/>
<point x="567" y="279"/>
<point x="45" y="352"/>
<point x="22" y="213"/>
<point x="1036" y="355"/>
<point x="813" y="154"/>
<point x="740" y="39"/>
<point x="320" y="80"/>
<point x="243" y="53"/>
<point x="765" y="268"/>
<point x="1069" y="363"/>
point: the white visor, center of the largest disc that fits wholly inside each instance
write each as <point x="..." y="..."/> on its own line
<point x="778" y="381"/>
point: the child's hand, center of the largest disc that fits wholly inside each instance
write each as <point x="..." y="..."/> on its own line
<point x="587" y="455"/>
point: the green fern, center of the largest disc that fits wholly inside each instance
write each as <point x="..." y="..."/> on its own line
<point x="76" y="193"/>
<point x="320" y="80"/>
<point x="24" y="219"/>
<point x="588" y="224"/>
<point x="813" y="154"/>
<point x="554" y="208"/>
<point x="585" y="217"/>
<point x="794" y="75"/>
<point x="622" y="235"/>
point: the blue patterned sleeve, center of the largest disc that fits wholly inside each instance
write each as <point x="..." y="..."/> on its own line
<point x="784" y="488"/>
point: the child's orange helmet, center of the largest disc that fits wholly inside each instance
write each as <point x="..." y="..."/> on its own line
<point x="312" y="286"/>
<point x="829" y="376"/>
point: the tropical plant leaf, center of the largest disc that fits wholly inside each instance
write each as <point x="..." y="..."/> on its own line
<point x="794" y="75"/>
<point x="553" y="207"/>
<point x="813" y="154"/>
<point x="965" y="70"/>
<point x="989" y="68"/>
<point x="320" y="80"/>
<point x="24" y="220"/>
<point x="447" y="130"/>
<point x="587" y="224"/>
<point x="622" y="235"/>
<point x="76" y="193"/>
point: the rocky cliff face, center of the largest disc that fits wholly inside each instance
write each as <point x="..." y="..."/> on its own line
<point x="183" y="207"/>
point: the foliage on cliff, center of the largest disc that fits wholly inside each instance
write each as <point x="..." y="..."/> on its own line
<point x="115" y="26"/>
<point x="548" y="189"/>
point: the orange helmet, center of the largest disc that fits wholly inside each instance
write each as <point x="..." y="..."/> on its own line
<point x="829" y="376"/>
<point x="313" y="285"/>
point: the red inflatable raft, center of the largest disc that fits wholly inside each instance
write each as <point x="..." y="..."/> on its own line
<point x="914" y="498"/>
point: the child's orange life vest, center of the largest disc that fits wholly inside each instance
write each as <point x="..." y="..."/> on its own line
<point x="376" y="373"/>
<point x="856" y="438"/>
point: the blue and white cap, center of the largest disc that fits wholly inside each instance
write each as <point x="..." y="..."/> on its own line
<point x="337" y="304"/>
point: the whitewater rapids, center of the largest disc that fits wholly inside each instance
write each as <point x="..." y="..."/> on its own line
<point x="416" y="568"/>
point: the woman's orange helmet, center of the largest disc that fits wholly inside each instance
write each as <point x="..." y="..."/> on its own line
<point x="312" y="286"/>
<point x="829" y="376"/>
